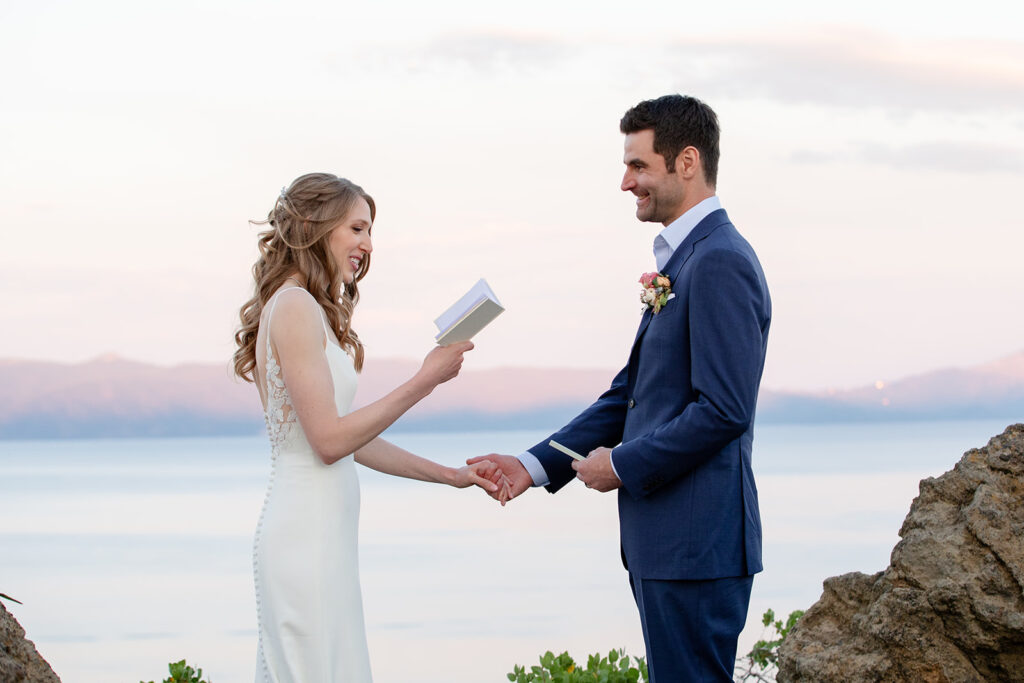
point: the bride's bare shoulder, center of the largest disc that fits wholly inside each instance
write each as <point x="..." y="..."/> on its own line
<point x="295" y="315"/>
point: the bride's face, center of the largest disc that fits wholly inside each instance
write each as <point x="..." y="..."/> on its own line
<point x="350" y="240"/>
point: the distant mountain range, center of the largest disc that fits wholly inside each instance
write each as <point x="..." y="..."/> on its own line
<point x="114" y="397"/>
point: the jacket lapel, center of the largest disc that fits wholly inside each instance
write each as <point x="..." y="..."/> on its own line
<point x="674" y="266"/>
<point x="681" y="255"/>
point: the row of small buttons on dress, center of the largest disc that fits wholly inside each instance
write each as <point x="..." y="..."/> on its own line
<point x="255" y="561"/>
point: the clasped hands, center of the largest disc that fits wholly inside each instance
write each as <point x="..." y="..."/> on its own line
<point x="511" y="478"/>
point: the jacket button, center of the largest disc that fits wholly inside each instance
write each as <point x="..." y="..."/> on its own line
<point x="631" y="403"/>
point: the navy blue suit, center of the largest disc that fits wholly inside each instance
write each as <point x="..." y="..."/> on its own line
<point x="683" y="411"/>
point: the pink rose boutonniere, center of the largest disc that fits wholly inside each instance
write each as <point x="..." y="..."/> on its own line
<point x="656" y="292"/>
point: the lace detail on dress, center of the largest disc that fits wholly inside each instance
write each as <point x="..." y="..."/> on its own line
<point x="280" y="415"/>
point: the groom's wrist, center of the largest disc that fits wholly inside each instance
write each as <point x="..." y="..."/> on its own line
<point x="611" y="462"/>
<point x="534" y="468"/>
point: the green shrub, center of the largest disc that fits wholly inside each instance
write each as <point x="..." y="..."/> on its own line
<point x="182" y="673"/>
<point x="615" y="668"/>
<point x="761" y="663"/>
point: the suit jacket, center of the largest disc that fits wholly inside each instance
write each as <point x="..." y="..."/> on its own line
<point x="683" y="411"/>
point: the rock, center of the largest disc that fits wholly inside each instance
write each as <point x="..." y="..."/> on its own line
<point x="950" y="606"/>
<point x="19" y="661"/>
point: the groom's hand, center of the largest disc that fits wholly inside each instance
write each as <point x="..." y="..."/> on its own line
<point x="518" y="478"/>
<point x="596" y="471"/>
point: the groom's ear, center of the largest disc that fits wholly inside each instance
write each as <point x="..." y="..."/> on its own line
<point x="688" y="163"/>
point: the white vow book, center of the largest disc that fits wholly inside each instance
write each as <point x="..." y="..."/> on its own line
<point x="468" y="315"/>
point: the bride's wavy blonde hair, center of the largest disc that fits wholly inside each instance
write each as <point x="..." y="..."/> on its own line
<point x="300" y="223"/>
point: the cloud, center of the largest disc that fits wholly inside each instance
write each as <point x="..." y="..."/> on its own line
<point x="483" y="52"/>
<point x="813" y="156"/>
<point x="830" y="66"/>
<point x="957" y="157"/>
<point x="492" y="50"/>
<point x="954" y="157"/>
<point x="856" y="68"/>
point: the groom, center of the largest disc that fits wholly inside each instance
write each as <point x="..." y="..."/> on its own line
<point x="674" y="431"/>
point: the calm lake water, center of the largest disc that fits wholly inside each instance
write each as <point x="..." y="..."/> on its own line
<point x="128" y="554"/>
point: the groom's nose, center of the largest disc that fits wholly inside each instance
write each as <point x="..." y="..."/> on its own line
<point x="628" y="182"/>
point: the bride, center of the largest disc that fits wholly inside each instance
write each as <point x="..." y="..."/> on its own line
<point x="297" y="345"/>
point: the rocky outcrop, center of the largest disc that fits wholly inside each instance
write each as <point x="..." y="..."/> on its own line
<point x="950" y="606"/>
<point x="19" y="661"/>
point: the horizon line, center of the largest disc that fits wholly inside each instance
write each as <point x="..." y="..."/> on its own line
<point x="112" y="356"/>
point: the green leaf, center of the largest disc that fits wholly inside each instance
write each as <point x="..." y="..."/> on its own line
<point x="614" y="668"/>
<point x="794" y="617"/>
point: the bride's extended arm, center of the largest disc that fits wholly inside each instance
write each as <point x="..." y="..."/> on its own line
<point x="388" y="458"/>
<point x="298" y="336"/>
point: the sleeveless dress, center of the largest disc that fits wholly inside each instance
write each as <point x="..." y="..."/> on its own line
<point x="305" y="555"/>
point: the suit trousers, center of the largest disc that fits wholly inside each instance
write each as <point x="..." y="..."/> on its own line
<point x="690" y="627"/>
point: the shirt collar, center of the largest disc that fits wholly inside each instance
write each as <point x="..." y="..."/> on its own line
<point x="669" y="239"/>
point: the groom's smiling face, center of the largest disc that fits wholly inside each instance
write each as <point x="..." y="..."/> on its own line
<point x="659" y="193"/>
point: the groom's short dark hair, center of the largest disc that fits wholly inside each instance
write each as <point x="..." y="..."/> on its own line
<point x="678" y="121"/>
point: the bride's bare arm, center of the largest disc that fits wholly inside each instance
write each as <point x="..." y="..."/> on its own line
<point x="298" y="337"/>
<point x="388" y="458"/>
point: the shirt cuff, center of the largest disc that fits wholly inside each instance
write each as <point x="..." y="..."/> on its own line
<point x="611" y="461"/>
<point x="536" y="470"/>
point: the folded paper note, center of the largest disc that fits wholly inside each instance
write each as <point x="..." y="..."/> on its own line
<point x="468" y="315"/>
<point x="568" y="451"/>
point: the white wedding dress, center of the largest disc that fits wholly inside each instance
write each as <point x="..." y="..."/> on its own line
<point x="305" y="556"/>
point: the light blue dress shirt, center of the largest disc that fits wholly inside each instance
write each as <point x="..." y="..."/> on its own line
<point x="665" y="244"/>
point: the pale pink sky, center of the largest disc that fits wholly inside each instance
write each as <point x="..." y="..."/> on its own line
<point x="874" y="157"/>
